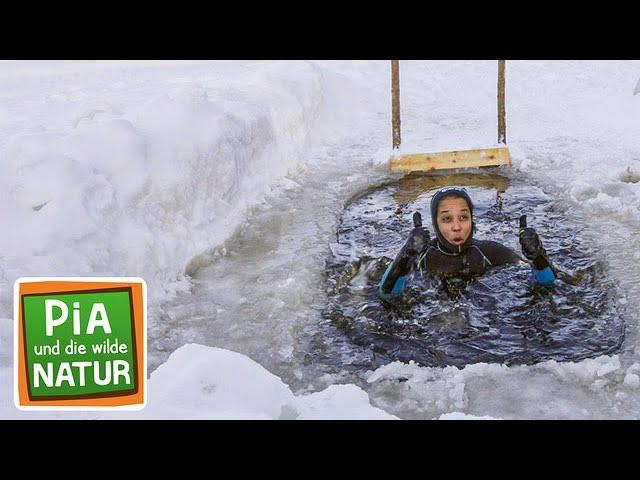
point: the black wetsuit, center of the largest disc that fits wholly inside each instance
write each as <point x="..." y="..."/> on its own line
<point x="474" y="260"/>
<point x="440" y="258"/>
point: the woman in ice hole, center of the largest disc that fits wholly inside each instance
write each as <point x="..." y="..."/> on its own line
<point x="454" y="251"/>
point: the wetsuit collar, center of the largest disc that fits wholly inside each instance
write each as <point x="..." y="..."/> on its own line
<point x="450" y="249"/>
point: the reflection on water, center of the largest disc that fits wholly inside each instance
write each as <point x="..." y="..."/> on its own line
<point x="498" y="317"/>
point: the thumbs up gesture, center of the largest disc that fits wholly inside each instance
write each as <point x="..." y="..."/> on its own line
<point x="531" y="245"/>
<point x="418" y="237"/>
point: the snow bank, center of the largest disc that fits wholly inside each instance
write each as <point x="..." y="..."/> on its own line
<point x="140" y="189"/>
<point x="199" y="382"/>
<point x="590" y="389"/>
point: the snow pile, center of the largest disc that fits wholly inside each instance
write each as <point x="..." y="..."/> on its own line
<point x="593" y="388"/>
<point x="199" y="382"/>
<point x="203" y="382"/>
<point x="140" y="189"/>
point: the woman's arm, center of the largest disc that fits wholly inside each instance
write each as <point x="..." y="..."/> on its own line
<point x="395" y="277"/>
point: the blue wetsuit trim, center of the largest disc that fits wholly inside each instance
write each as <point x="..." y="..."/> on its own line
<point x="398" y="287"/>
<point x="544" y="276"/>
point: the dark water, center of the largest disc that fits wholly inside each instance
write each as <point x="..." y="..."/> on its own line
<point x="500" y="316"/>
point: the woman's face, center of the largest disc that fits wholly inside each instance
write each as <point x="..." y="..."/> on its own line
<point x="454" y="220"/>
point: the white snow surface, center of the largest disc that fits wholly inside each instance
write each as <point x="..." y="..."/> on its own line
<point x="200" y="382"/>
<point x="134" y="168"/>
<point x="151" y="167"/>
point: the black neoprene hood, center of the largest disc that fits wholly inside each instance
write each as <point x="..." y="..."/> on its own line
<point x="435" y="201"/>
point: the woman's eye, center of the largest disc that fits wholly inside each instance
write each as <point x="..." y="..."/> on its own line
<point x="464" y="218"/>
<point x="446" y="219"/>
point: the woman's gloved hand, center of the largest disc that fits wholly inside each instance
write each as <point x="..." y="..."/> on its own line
<point x="531" y="245"/>
<point x="418" y="237"/>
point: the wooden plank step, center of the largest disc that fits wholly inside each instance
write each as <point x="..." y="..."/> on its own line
<point x="486" y="157"/>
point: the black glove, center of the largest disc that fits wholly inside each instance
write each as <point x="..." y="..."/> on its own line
<point x="418" y="237"/>
<point x="532" y="246"/>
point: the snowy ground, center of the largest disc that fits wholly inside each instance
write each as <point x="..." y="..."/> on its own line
<point x="219" y="184"/>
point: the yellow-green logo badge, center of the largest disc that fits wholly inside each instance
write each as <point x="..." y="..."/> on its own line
<point x="80" y="343"/>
